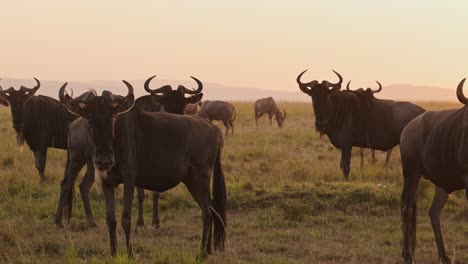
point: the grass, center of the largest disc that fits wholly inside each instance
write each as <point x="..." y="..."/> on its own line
<point x="287" y="199"/>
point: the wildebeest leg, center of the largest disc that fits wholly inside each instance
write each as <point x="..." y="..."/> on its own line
<point x="85" y="187"/>
<point x="373" y="155"/>
<point x="362" y="157"/>
<point x="256" y="119"/>
<point x="387" y="159"/>
<point x="409" y="212"/>
<point x="231" y="124"/>
<point x="270" y="116"/>
<point x="66" y="189"/>
<point x="129" y="189"/>
<point x="198" y="185"/>
<point x="440" y="199"/>
<point x="156" y="222"/>
<point x="141" y="199"/>
<point x="345" y="161"/>
<point x="226" y="125"/>
<point x="40" y="157"/>
<point x="110" y="219"/>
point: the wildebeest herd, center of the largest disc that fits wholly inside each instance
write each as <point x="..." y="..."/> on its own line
<point x="164" y="138"/>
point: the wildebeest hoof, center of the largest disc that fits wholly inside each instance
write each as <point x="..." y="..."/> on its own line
<point x="59" y="224"/>
<point x="445" y="260"/>
<point x="156" y="226"/>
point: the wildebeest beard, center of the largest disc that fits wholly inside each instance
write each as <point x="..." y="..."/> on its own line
<point x="347" y="106"/>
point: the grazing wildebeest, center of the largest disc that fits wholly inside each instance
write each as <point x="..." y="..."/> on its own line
<point x="78" y="154"/>
<point x="434" y="146"/>
<point x="219" y="110"/>
<point x="369" y="94"/>
<point x="268" y="106"/>
<point x="41" y="121"/>
<point x="154" y="151"/>
<point x="350" y="119"/>
<point x="192" y="109"/>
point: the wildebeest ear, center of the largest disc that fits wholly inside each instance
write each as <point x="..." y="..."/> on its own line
<point x="195" y="98"/>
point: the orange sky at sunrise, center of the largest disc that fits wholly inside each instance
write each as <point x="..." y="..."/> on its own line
<point x="261" y="44"/>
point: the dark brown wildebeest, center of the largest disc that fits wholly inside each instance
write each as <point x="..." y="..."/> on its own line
<point x="268" y="106"/>
<point x="41" y="121"/>
<point x="369" y="93"/>
<point x="192" y="109"/>
<point x="78" y="154"/>
<point x="350" y="119"/>
<point x="434" y="146"/>
<point x="153" y="151"/>
<point x="219" y="110"/>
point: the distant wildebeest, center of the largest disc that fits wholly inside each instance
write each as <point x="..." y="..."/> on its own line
<point x="192" y="109"/>
<point x="268" y="106"/>
<point x="219" y="110"/>
<point x="172" y="101"/>
<point x="154" y="151"/>
<point x="369" y="93"/>
<point x="350" y="119"/>
<point x="3" y="102"/>
<point x="434" y="146"/>
<point x="40" y="120"/>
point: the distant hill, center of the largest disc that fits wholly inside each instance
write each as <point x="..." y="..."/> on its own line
<point x="214" y="91"/>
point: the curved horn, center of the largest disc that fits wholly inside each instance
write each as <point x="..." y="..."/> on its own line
<point x="162" y="89"/>
<point x="284" y="114"/>
<point x="197" y="91"/>
<point x="63" y="94"/>
<point x="303" y="86"/>
<point x="378" y="90"/>
<point x="337" y="86"/>
<point x="347" y="86"/>
<point x="461" y="97"/>
<point x="127" y="102"/>
<point x="38" y="84"/>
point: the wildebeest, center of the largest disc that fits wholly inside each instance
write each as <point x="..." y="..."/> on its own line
<point x="41" y="121"/>
<point x="192" y="109"/>
<point x="163" y="98"/>
<point x="154" y="151"/>
<point x="434" y="146"/>
<point x="369" y="93"/>
<point x="219" y="110"/>
<point x="268" y="106"/>
<point x="350" y="119"/>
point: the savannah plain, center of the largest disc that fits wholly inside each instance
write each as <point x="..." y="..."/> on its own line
<point x="287" y="203"/>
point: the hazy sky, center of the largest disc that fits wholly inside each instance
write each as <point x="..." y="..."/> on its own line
<point x="244" y="42"/>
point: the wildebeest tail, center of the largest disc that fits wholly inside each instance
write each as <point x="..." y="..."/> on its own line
<point x="219" y="203"/>
<point x="409" y="223"/>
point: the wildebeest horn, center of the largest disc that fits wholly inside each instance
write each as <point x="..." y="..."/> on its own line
<point x="461" y="97"/>
<point x="337" y="86"/>
<point x="304" y="86"/>
<point x="162" y="89"/>
<point x="188" y="91"/>
<point x="284" y="114"/>
<point x="126" y="103"/>
<point x="378" y="90"/>
<point x="63" y="94"/>
<point x="347" y="86"/>
<point x="66" y="100"/>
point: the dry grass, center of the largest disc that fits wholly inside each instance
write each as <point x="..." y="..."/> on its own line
<point x="288" y="203"/>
